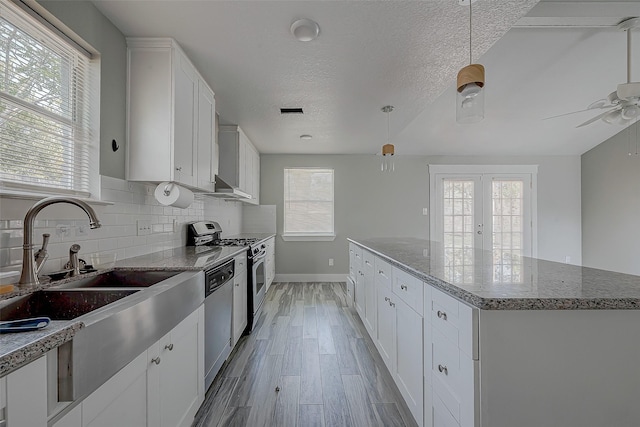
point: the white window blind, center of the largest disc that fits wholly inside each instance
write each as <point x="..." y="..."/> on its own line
<point x="308" y="201"/>
<point x="49" y="91"/>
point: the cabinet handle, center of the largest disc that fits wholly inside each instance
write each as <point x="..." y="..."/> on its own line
<point x="387" y="299"/>
<point x="367" y="262"/>
<point x="156" y="360"/>
<point x="392" y="304"/>
<point x="169" y="346"/>
<point x="403" y="287"/>
<point x="443" y="369"/>
<point x="442" y="315"/>
<point x="179" y="169"/>
<point x="237" y="284"/>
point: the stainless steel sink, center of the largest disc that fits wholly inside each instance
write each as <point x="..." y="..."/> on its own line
<point x="60" y="304"/>
<point x="121" y="279"/>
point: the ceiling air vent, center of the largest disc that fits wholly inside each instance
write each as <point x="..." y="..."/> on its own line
<point x="291" y="111"/>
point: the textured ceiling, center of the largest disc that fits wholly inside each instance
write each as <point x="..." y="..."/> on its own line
<point x="369" y="54"/>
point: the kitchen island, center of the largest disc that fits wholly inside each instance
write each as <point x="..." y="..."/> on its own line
<point x="527" y="343"/>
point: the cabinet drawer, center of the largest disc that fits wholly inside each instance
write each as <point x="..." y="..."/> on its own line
<point x="241" y="264"/>
<point x="409" y="289"/>
<point x="445" y="372"/>
<point x="383" y="273"/>
<point x="367" y="260"/>
<point x="457" y="321"/>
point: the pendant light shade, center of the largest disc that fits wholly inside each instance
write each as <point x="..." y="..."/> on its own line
<point x="388" y="150"/>
<point x="470" y="93"/>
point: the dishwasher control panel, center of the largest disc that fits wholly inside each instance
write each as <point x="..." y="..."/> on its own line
<point x="218" y="276"/>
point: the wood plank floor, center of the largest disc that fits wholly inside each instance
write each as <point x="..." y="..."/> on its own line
<point x="310" y="362"/>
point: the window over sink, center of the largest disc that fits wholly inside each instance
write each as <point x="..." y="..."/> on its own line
<point x="308" y="204"/>
<point x="49" y="109"/>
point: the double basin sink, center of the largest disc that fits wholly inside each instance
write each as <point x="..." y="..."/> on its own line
<point x="73" y="299"/>
<point x="123" y="312"/>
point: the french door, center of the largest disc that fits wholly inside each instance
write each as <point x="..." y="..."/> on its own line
<point x="483" y="207"/>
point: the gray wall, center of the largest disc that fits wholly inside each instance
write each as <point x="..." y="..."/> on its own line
<point x="84" y="19"/>
<point x="611" y="204"/>
<point x="369" y="203"/>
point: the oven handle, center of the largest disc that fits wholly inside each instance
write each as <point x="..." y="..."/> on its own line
<point x="260" y="256"/>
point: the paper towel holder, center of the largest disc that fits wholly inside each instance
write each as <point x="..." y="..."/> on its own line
<point x="167" y="190"/>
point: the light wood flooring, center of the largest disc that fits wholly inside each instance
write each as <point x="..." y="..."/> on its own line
<point x="309" y="362"/>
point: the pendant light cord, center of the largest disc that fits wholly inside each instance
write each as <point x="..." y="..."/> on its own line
<point x="388" y="131"/>
<point x="470" y="57"/>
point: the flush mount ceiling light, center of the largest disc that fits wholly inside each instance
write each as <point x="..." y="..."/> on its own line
<point x="388" y="150"/>
<point x="470" y="93"/>
<point x="305" y="30"/>
<point x="306" y="137"/>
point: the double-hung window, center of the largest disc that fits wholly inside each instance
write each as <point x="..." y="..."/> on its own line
<point x="308" y="204"/>
<point x="49" y="106"/>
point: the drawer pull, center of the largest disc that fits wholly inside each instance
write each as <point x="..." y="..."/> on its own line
<point x="169" y="346"/>
<point x="442" y="315"/>
<point x="443" y="369"/>
<point x="156" y="360"/>
<point x="403" y="287"/>
<point x="387" y="299"/>
<point x="367" y="262"/>
<point x="392" y="304"/>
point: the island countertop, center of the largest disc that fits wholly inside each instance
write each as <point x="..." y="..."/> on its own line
<point x="524" y="284"/>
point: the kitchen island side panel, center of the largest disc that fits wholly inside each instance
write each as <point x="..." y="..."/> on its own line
<point x="560" y="368"/>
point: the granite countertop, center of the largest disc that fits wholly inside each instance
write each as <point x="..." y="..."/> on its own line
<point x="531" y="284"/>
<point x="18" y="349"/>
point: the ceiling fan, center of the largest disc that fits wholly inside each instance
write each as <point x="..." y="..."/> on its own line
<point x="622" y="105"/>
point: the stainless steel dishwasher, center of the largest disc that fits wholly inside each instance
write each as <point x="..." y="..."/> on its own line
<point x="218" y="304"/>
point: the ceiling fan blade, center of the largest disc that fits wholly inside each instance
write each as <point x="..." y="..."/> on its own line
<point x="576" y="112"/>
<point x="594" y="119"/>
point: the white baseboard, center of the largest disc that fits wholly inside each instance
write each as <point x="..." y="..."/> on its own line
<point x="310" y="278"/>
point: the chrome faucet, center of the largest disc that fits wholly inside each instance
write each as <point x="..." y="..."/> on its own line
<point x="29" y="275"/>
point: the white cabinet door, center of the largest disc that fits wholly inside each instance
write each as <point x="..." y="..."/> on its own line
<point x="122" y="400"/>
<point x="240" y="310"/>
<point x="72" y="419"/>
<point x="386" y="327"/>
<point x="409" y="369"/>
<point x="176" y="370"/>
<point x="371" y="308"/>
<point x="26" y="395"/>
<point x="242" y="161"/>
<point x="186" y="104"/>
<point x="207" y="154"/>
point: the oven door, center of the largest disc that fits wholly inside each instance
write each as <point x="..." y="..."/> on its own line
<point x="258" y="283"/>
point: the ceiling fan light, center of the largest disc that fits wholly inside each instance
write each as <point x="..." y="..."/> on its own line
<point x="630" y="112"/>
<point x="613" y="117"/>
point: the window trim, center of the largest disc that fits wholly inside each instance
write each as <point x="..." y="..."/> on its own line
<point x="309" y="236"/>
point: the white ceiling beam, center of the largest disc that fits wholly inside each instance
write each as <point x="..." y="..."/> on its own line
<point x="579" y="14"/>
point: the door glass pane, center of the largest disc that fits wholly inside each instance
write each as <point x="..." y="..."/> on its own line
<point x="458" y="204"/>
<point x="507" y="232"/>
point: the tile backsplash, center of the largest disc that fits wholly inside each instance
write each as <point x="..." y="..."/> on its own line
<point x="132" y="202"/>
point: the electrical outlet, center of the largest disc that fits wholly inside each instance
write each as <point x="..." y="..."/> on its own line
<point x="567" y="259"/>
<point x="63" y="230"/>
<point x="144" y="227"/>
<point x="175" y="225"/>
<point x="81" y="230"/>
<point x="425" y="211"/>
<point x="330" y="262"/>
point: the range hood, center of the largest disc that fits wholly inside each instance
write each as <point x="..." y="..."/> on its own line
<point x="226" y="191"/>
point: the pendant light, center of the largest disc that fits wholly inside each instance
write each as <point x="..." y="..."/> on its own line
<point x="388" y="150"/>
<point x="470" y="93"/>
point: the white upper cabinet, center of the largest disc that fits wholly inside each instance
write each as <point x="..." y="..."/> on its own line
<point x="171" y="116"/>
<point x="240" y="162"/>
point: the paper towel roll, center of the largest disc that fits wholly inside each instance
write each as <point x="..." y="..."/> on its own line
<point x="179" y="197"/>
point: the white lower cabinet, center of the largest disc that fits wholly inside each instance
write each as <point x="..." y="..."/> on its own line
<point x="386" y="341"/>
<point x="163" y="386"/>
<point x="25" y="397"/>
<point x="175" y="378"/>
<point x="240" y="294"/>
<point x="370" y="298"/>
<point x="270" y="261"/>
